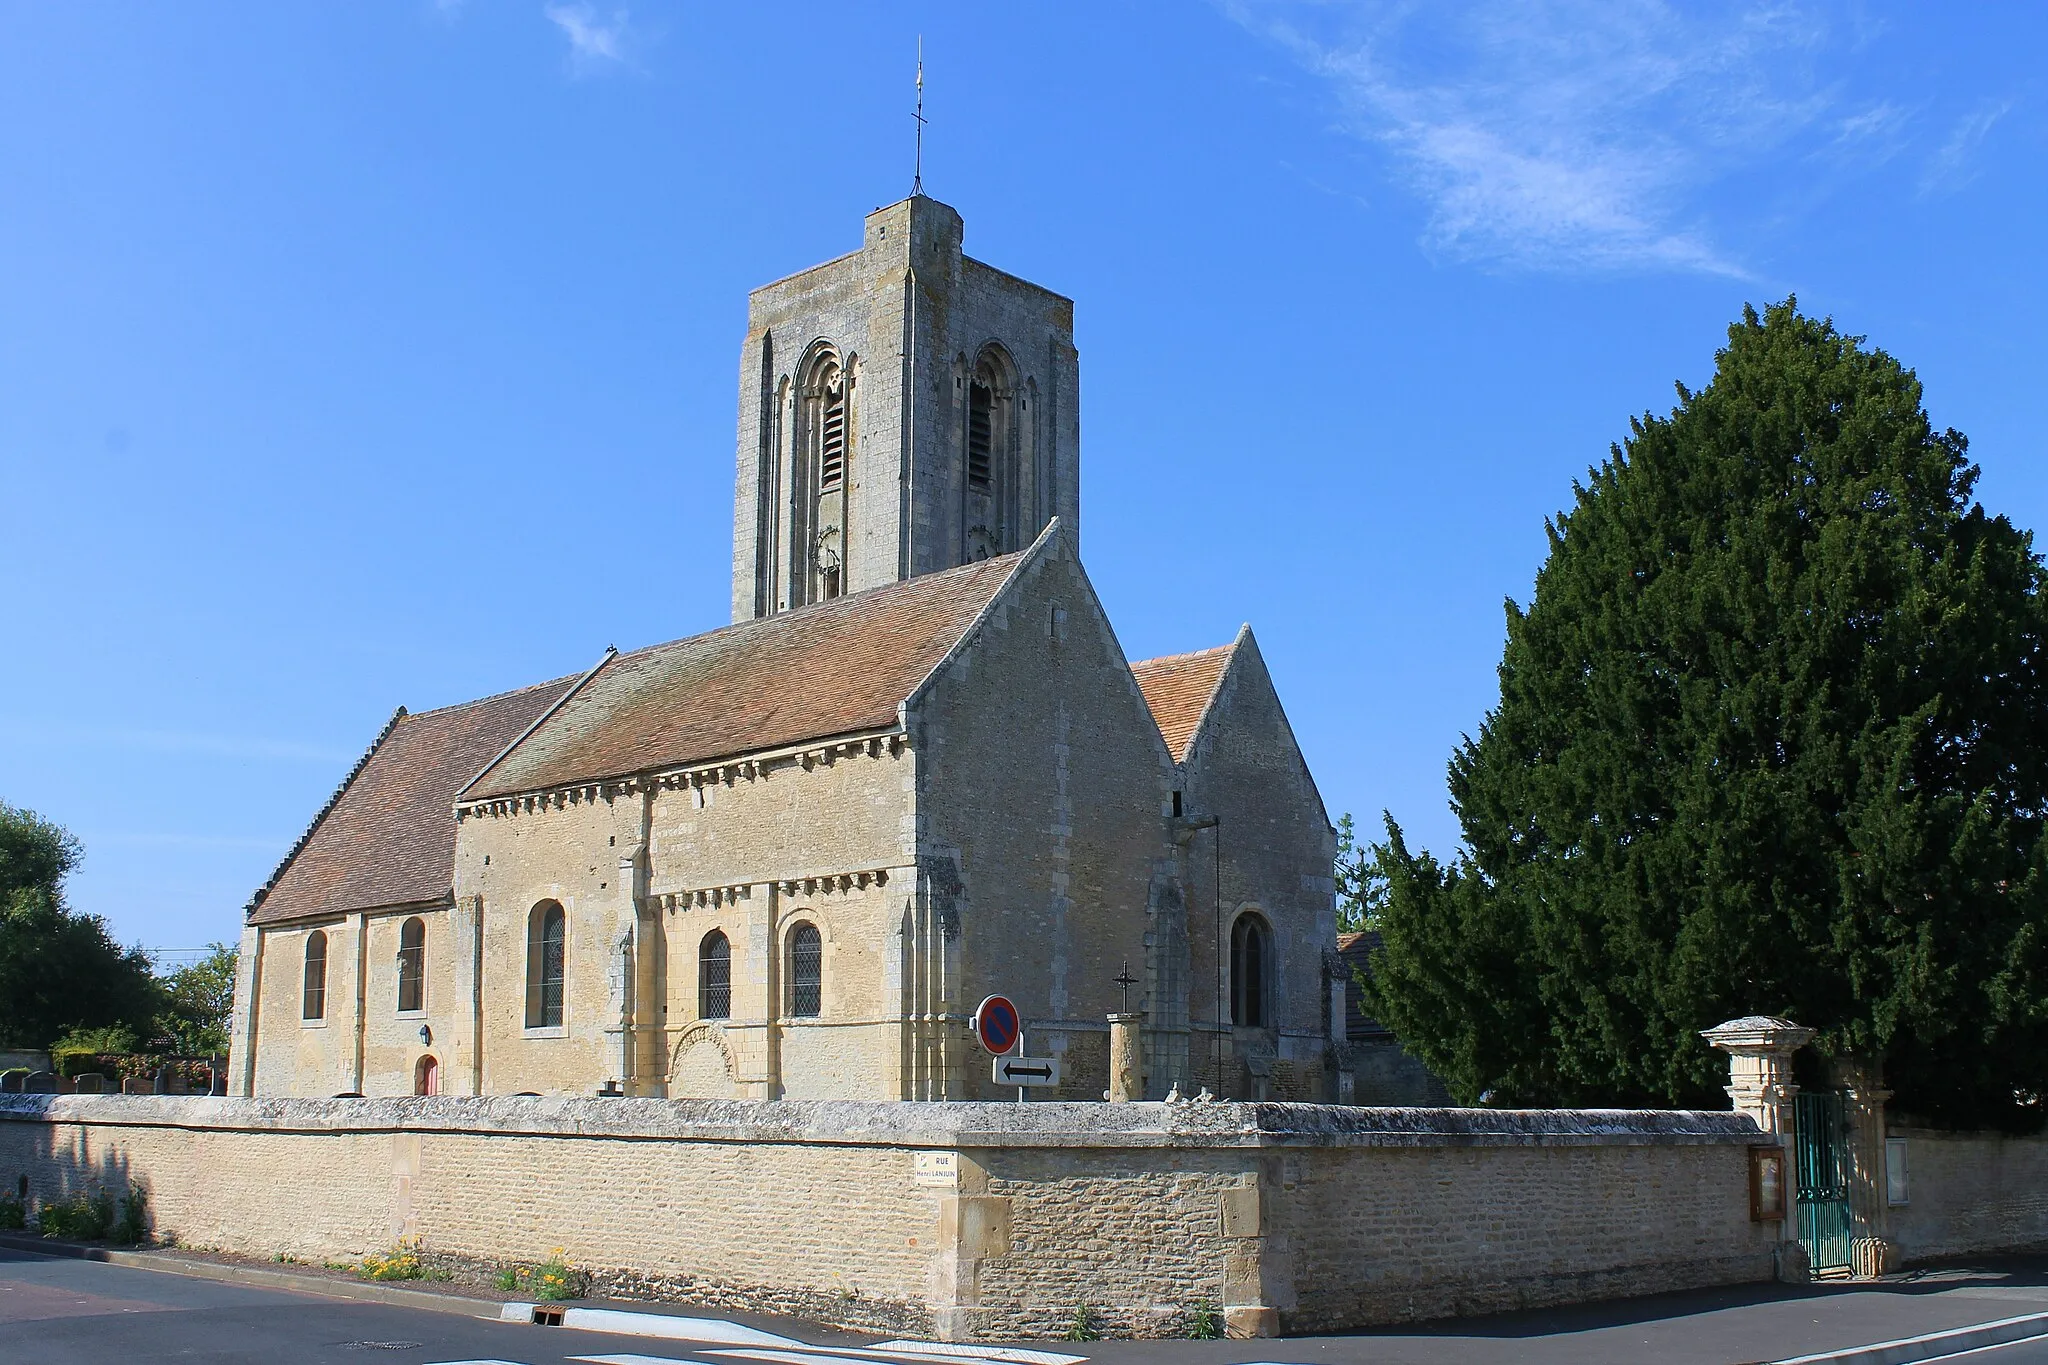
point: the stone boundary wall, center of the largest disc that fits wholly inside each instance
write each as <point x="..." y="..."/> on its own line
<point x="1969" y="1194"/>
<point x="957" y="1220"/>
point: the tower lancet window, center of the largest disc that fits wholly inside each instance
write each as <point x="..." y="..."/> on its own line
<point x="981" y="401"/>
<point x="832" y="442"/>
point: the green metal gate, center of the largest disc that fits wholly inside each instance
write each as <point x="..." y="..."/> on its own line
<point x="1822" y="1158"/>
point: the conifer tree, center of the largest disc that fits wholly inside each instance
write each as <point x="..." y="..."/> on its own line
<point x="1772" y="738"/>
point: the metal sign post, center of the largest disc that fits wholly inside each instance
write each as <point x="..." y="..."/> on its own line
<point x="1000" y="1029"/>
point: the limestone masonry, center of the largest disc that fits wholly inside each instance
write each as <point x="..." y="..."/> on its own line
<point x="786" y="859"/>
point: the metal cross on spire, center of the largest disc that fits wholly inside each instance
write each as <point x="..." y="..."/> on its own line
<point x="917" y="170"/>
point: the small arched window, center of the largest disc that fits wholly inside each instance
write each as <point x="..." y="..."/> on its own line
<point x="412" y="965"/>
<point x="547" y="933"/>
<point x="426" y="1076"/>
<point x="313" y="1003"/>
<point x="1251" y="954"/>
<point x="806" y="972"/>
<point x="714" y="977"/>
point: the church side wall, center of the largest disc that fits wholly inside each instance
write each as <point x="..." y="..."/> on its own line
<point x="821" y="838"/>
<point x="1043" y="796"/>
<point x="568" y="854"/>
<point x="1286" y="1218"/>
<point x="296" y="1056"/>
<point x="1970" y="1193"/>
<point x="1277" y="850"/>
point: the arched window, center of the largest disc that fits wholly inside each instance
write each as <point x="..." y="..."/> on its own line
<point x="1251" y="953"/>
<point x="826" y="454"/>
<point x="714" y="977"/>
<point x="412" y="965"/>
<point x="547" y="932"/>
<point x="313" y="1004"/>
<point x="989" y="514"/>
<point x="426" y="1076"/>
<point x="806" y="972"/>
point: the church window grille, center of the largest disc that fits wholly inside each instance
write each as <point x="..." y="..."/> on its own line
<point x="546" y="963"/>
<point x="1250" y="966"/>
<point x="806" y="972"/>
<point x="981" y="429"/>
<point x="314" y="1003"/>
<point x="714" y="977"/>
<point x="412" y="966"/>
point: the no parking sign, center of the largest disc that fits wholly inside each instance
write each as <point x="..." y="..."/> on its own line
<point x="997" y="1024"/>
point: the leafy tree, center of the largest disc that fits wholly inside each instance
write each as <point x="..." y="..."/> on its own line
<point x="1770" y="739"/>
<point x="58" y="970"/>
<point x="1361" y="887"/>
<point x="201" y="996"/>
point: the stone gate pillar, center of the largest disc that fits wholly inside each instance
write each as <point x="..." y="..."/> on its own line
<point x="1760" y="1083"/>
<point x="1870" y="1250"/>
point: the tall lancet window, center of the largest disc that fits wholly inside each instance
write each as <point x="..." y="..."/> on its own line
<point x="827" y="469"/>
<point x="988" y="517"/>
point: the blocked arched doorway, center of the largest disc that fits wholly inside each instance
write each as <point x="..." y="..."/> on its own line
<point x="426" y="1076"/>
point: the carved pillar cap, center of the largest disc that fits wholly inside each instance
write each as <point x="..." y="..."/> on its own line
<point x="1759" y="1035"/>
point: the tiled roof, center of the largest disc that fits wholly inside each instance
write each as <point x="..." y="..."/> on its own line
<point x="833" y="668"/>
<point x="1357" y="951"/>
<point x="388" y="837"/>
<point x="1177" y="687"/>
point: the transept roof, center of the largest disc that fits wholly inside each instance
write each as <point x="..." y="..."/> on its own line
<point x="1178" y="687"/>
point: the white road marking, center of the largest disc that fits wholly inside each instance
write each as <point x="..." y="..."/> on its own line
<point x="631" y="1360"/>
<point x="485" y="1362"/>
<point x="922" y="1352"/>
<point x="1010" y="1355"/>
<point x="624" y="1323"/>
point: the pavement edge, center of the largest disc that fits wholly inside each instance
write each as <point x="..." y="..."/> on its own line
<point x="169" y="1263"/>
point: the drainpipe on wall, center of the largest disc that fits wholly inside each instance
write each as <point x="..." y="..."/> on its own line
<point x="362" y="998"/>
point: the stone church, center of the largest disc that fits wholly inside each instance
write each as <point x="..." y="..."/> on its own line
<point x="788" y="857"/>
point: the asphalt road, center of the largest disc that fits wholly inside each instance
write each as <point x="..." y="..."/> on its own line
<point x="69" y="1312"/>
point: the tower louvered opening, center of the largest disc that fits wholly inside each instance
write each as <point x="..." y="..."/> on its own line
<point x="980" y="435"/>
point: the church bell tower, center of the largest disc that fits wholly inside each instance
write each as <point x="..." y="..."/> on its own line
<point x="903" y="409"/>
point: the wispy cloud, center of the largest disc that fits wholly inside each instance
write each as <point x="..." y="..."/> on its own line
<point x="595" y="41"/>
<point x="176" y="742"/>
<point x="1566" y="134"/>
<point x="1955" y="164"/>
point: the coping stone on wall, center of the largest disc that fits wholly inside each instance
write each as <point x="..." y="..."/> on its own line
<point x="906" y="1124"/>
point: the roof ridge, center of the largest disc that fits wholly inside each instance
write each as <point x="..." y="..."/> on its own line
<point x="918" y="582"/>
<point x="256" y="898"/>
<point x="611" y="652"/>
<point x="494" y="696"/>
<point x="1190" y="654"/>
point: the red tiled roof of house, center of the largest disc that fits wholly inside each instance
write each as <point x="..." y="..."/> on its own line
<point x="388" y="836"/>
<point x="832" y="668"/>
<point x="1177" y="687"/>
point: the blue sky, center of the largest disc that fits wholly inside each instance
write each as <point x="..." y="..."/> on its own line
<point x="363" y="355"/>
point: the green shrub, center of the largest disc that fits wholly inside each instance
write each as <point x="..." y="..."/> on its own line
<point x="1083" y="1327"/>
<point x="13" y="1213"/>
<point x="551" y="1281"/>
<point x="402" y="1262"/>
<point x="1204" y="1324"/>
<point x="131" y="1225"/>
<point x="87" y="1216"/>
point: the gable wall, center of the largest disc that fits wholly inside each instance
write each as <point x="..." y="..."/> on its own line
<point x="1042" y="799"/>
<point x="1277" y="849"/>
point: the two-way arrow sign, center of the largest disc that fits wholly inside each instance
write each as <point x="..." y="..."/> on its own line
<point x="1027" y="1071"/>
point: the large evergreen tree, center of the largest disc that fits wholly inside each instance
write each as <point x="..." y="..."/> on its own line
<point x="1772" y="738"/>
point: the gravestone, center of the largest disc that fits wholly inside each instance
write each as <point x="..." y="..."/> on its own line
<point x="10" y="1081"/>
<point x="90" y="1083"/>
<point x="41" y="1083"/>
<point x="137" y="1085"/>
